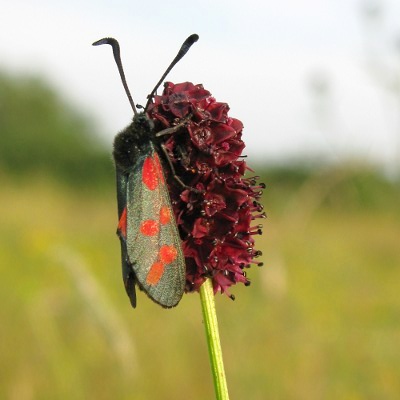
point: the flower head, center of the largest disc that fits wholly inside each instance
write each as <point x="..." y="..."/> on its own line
<point x="216" y="205"/>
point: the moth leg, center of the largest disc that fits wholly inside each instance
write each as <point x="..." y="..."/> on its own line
<point x="174" y="175"/>
<point x="170" y="131"/>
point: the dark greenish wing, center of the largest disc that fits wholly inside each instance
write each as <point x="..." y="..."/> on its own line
<point x="155" y="254"/>
<point x="127" y="272"/>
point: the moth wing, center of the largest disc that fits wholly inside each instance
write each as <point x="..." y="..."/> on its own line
<point x="152" y="241"/>
<point x="127" y="273"/>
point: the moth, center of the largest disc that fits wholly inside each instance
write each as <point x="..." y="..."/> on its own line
<point x="151" y="250"/>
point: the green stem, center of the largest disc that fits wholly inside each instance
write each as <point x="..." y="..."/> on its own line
<point x="213" y="341"/>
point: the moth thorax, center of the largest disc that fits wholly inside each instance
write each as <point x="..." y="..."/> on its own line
<point x="134" y="140"/>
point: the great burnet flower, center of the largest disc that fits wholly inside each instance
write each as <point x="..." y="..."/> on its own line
<point x="215" y="205"/>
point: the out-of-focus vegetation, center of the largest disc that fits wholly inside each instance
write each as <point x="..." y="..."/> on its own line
<point x="321" y="319"/>
<point x="41" y="134"/>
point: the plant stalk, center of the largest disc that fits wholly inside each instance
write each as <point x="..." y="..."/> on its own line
<point x="207" y="299"/>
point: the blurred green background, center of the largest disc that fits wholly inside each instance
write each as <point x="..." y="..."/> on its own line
<point x="321" y="319"/>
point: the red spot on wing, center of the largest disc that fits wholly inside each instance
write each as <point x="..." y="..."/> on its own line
<point x="168" y="254"/>
<point x="122" y="223"/>
<point x="165" y="215"/>
<point x="155" y="273"/>
<point x="149" y="227"/>
<point x="150" y="173"/>
<point x="159" y="169"/>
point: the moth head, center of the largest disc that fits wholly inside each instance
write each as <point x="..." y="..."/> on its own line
<point x="142" y="123"/>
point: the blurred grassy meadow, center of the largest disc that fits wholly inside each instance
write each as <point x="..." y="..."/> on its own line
<point x="321" y="319"/>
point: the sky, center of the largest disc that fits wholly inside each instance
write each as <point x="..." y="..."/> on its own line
<point x="309" y="79"/>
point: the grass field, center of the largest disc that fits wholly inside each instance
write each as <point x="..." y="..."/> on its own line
<point x="321" y="319"/>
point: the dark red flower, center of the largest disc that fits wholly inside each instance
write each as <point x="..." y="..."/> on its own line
<point x="216" y="210"/>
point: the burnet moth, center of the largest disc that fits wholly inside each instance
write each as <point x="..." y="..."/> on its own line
<point x="151" y="249"/>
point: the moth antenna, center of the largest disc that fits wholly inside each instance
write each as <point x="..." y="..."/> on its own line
<point x="117" y="57"/>
<point x="182" y="51"/>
